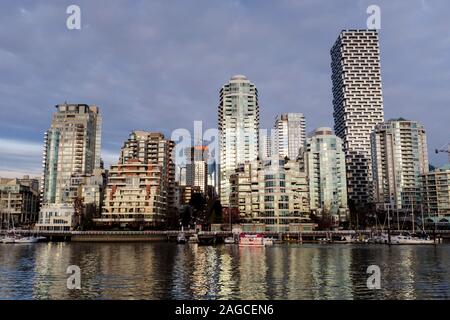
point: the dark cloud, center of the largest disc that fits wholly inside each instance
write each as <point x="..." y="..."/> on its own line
<point x="159" y="66"/>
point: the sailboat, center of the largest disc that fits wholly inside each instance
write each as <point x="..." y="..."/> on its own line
<point x="10" y="236"/>
<point x="405" y="238"/>
<point x="408" y="238"/>
<point x="13" y="237"/>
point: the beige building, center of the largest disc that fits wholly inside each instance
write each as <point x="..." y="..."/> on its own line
<point x="19" y="201"/>
<point x="399" y="158"/>
<point x="273" y="195"/>
<point x="141" y="187"/>
<point x="436" y="193"/>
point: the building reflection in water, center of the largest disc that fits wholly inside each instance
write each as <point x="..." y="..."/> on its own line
<point x="252" y="273"/>
<point x="170" y="271"/>
<point x="227" y="274"/>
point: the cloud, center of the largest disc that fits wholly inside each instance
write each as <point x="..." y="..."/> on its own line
<point x="21" y="157"/>
<point x="150" y="65"/>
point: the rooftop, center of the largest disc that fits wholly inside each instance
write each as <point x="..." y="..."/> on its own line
<point x="238" y="77"/>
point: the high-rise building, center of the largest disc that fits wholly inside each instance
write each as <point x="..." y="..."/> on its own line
<point x="72" y="147"/>
<point x="399" y="158"/>
<point x="141" y="187"/>
<point x="197" y="167"/>
<point x="265" y="144"/>
<point x="72" y="150"/>
<point x="290" y="134"/>
<point x="324" y="161"/>
<point x="358" y="105"/>
<point x="238" y="129"/>
<point x="436" y="194"/>
<point x="213" y="176"/>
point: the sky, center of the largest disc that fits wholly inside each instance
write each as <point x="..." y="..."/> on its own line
<point x="159" y="65"/>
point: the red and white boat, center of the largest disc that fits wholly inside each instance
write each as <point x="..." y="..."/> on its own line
<point x="251" y="240"/>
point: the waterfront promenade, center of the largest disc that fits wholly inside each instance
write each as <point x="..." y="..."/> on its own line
<point x="206" y="236"/>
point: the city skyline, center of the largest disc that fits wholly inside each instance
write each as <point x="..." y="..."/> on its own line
<point x="299" y="80"/>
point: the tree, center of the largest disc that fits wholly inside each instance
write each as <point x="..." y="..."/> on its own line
<point x="78" y="207"/>
<point x="215" y="211"/>
<point x="198" y="204"/>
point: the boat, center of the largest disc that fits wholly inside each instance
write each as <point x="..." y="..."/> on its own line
<point x="181" y="238"/>
<point x="268" y="241"/>
<point x="15" y="238"/>
<point x="193" y="239"/>
<point x="229" y="240"/>
<point x="30" y="239"/>
<point x="251" y="240"/>
<point x="9" y="239"/>
<point x="323" y="240"/>
<point x="345" y="239"/>
<point x="404" y="238"/>
<point x="407" y="238"/>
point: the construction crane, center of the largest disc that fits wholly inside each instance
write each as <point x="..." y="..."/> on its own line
<point x="442" y="150"/>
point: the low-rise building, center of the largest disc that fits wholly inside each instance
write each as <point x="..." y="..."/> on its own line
<point x="19" y="201"/>
<point x="270" y="194"/>
<point x="84" y="195"/>
<point x="436" y="192"/>
<point x="141" y="187"/>
<point x="57" y="217"/>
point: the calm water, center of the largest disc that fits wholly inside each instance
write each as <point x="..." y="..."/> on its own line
<point x="170" y="271"/>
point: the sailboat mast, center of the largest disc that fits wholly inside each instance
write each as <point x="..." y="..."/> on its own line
<point x="389" y="218"/>
<point x="389" y="226"/>
<point x="412" y="206"/>
<point x="423" y="221"/>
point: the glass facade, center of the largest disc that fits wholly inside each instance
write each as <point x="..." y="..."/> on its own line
<point x="324" y="161"/>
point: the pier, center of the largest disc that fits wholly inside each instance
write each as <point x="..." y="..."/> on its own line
<point x="205" y="237"/>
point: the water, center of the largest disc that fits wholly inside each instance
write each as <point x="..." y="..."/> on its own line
<point x="170" y="271"/>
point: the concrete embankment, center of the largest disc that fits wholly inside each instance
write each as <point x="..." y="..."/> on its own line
<point x="118" y="238"/>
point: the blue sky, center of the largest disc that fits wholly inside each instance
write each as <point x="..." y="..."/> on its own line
<point x="159" y="65"/>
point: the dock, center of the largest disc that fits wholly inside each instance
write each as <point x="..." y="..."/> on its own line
<point x="205" y="237"/>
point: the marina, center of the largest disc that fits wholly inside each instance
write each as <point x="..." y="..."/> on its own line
<point x="218" y="237"/>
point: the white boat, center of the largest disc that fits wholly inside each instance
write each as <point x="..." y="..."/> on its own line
<point x="14" y="238"/>
<point x="268" y="241"/>
<point x="251" y="240"/>
<point x="193" y="239"/>
<point x="9" y="239"/>
<point x="229" y="240"/>
<point x="409" y="239"/>
<point x="181" y="238"/>
<point x="30" y="239"/>
<point x="405" y="238"/>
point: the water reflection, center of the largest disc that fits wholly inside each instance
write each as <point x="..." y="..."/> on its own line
<point x="170" y="271"/>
